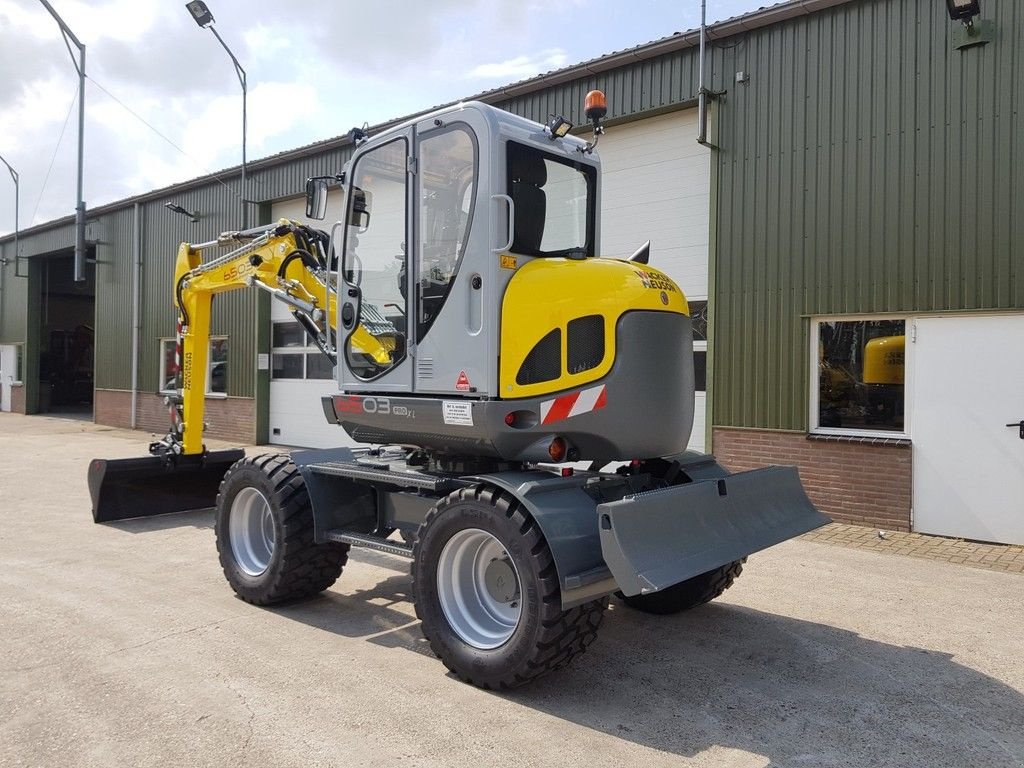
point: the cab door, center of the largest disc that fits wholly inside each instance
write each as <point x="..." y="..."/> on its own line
<point x="455" y="310"/>
<point x="376" y="351"/>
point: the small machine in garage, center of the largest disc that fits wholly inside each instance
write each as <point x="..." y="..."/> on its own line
<point x="481" y="343"/>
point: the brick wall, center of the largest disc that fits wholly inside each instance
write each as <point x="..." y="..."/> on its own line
<point x="18" y="399"/>
<point x="853" y="482"/>
<point x="229" y="418"/>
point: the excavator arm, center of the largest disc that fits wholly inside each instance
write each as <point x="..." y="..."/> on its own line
<point x="294" y="264"/>
<point x="290" y="261"/>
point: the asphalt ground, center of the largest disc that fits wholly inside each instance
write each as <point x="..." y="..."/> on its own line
<point x="122" y="645"/>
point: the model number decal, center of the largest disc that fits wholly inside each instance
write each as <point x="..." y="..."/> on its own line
<point x="233" y="273"/>
<point x="377" y="405"/>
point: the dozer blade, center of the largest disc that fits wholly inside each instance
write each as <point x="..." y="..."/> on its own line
<point x="126" y="488"/>
<point x="653" y="540"/>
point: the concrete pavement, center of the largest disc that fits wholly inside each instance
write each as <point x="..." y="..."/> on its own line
<point x="122" y="645"/>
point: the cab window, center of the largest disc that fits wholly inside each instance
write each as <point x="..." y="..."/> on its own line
<point x="447" y="163"/>
<point x="375" y="258"/>
<point x="554" y="201"/>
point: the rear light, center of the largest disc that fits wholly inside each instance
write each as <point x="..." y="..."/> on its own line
<point x="567" y="471"/>
<point x="557" y="449"/>
<point x="524" y="419"/>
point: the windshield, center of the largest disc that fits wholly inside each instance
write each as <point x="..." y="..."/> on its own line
<point x="554" y="203"/>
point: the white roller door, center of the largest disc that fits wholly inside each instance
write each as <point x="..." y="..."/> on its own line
<point x="296" y="413"/>
<point x="656" y="185"/>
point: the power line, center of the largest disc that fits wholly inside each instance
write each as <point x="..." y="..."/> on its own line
<point x="146" y="123"/>
<point x="60" y="138"/>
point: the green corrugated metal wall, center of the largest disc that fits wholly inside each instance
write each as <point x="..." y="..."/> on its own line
<point x="866" y="167"/>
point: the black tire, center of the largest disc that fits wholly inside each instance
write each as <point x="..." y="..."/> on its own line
<point x="687" y="594"/>
<point x="545" y="638"/>
<point x="296" y="567"/>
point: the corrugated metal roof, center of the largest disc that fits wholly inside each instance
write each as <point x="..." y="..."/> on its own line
<point x="762" y="17"/>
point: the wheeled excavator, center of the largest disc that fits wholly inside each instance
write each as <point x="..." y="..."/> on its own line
<point x="524" y="404"/>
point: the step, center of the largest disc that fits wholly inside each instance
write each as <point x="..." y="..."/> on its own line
<point x="379" y="474"/>
<point x="369" y="541"/>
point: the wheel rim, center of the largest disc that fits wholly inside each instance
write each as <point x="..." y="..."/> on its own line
<point x="251" y="530"/>
<point x="479" y="589"/>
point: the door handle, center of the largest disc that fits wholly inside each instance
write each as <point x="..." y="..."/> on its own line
<point x="1019" y="425"/>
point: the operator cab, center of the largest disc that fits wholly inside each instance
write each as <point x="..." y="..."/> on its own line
<point x="440" y="214"/>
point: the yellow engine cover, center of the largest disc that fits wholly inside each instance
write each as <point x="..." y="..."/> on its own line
<point x="545" y="295"/>
<point x="883" y="360"/>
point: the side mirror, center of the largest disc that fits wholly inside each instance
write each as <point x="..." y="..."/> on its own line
<point x="316" y="198"/>
<point x="362" y="200"/>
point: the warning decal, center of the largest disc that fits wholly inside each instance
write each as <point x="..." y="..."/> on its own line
<point x="459" y="413"/>
<point x="463" y="382"/>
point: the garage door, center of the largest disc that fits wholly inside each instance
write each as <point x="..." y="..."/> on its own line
<point x="655" y="186"/>
<point x="656" y="182"/>
<point x="968" y="464"/>
<point x="300" y="374"/>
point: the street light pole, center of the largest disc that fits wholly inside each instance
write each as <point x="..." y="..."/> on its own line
<point x="3" y="262"/>
<point x="14" y="175"/>
<point x="79" y="203"/>
<point x="205" y="20"/>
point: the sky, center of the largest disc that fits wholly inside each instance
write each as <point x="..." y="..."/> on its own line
<point x="163" y="103"/>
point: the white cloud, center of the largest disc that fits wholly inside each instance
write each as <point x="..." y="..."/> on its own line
<point x="521" y="66"/>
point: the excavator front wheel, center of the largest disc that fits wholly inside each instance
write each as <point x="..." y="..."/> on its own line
<point x="487" y="592"/>
<point x="264" y="529"/>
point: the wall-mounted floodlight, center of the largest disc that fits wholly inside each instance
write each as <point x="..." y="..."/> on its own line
<point x="193" y="215"/>
<point x="971" y="33"/>
<point x="963" y="10"/>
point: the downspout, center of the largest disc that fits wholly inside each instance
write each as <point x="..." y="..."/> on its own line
<point x="136" y="302"/>
<point x="702" y="92"/>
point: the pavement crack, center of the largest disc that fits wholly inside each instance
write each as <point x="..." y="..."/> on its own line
<point x="245" y="703"/>
<point x="176" y="633"/>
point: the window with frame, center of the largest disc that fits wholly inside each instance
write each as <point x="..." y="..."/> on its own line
<point x="858" y="376"/>
<point x="216" y="367"/>
<point x="295" y="356"/>
<point x="699" y="326"/>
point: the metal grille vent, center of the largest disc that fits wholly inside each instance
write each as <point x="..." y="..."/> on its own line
<point x="425" y="367"/>
<point x="544" y="363"/>
<point x="585" y="343"/>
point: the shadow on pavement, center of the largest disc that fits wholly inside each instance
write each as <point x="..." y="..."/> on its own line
<point x="199" y="518"/>
<point x="722" y="676"/>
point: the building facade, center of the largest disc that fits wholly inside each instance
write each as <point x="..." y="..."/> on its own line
<point x="849" y="235"/>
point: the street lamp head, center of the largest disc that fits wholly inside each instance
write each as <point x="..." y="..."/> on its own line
<point x="193" y="215"/>
<point x="200" y="13"/>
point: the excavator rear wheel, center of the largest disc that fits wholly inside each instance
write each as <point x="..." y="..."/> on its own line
<point x="264" y="530"/>
<point x="488" y="595"/>
<point x="701" y="589"/>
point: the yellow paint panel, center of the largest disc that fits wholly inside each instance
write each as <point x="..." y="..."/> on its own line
<point x="547" y="293"/>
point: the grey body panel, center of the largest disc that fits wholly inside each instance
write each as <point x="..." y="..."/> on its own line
<point x="653" y="365"/>
<point x="338" y="502"/>
<point x="655" y="539"/>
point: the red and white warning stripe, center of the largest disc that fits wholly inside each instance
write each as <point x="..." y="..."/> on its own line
<point x="567" y="406"/>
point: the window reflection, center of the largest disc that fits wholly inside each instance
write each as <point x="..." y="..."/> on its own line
<point x="861" y="367"/>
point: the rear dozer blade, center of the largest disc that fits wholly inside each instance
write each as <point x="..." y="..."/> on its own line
<point x="653" y="540"/>
<point x="126" y="488"/>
